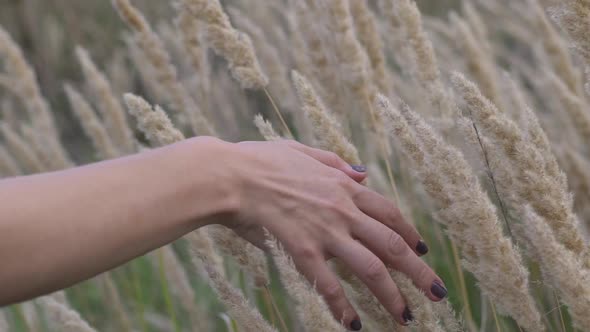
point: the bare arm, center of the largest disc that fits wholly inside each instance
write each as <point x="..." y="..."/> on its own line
<point x="60" y="228"/>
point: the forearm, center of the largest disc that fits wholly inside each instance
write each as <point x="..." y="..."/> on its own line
<point x="59" y="228"/>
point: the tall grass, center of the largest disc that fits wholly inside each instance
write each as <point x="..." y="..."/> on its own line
<point x="474" y="119"/>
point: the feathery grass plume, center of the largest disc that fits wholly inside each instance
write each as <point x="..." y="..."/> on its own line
<point x="268" y="55"/>
<point x="23" y="153"/>
<point x="578" y="167"/>
<point x="199" y="240"/>
<point x="572" y="16"/>
<point x="191" y="35"/>
<point x="575" y="107"/>
<point x="8" y="165"/>
<point x="561" y="268"/>
<point x="229" y="43"/>
<point x="517" y="97"/>
<point x="318" y="62"/>
<point x="536" y="135"/>
<point x="181" y="288"/>
<point x="327" y="130"/>
<point x="444" y="311"/>
<point x="527" y="119"/>
<point x="8" y="112"/>
<point x="397" y="43"/>
<point x="476" y="22"/>
<point x="93" y="126"/>
<point x="23" y="82"/>
<point x="62" y="317"/>
<point x="425" y="318"/>
<point x="480" y="62"/>
<point x="368" y="307"/>
<point x="548" y="195"/>
<point x="348" y="51"/>
<point x="311" y="308"/>
<point x="192" y="38"/>
<point x="556" y="50"/>
<point x="428" y="72"/>
<point x="147" y="74"/>
<point x="154" y="123"/>
<point x="468" y="213"/>
<point x="239" y="308"/>
<point x="119" y="73"/>
<point x="367" y="31"/>
<point x="249" y="257"/>
<point x="159" y="59"/>
<point x="265" y="128"/>
<point x="297" y="42"/>
<point x="110" y="107"/>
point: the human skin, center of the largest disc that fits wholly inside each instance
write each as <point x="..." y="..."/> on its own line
<point x="60" y="228"/>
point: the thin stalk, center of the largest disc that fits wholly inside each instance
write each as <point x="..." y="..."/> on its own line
<point x="278" y="113"/>
<point x="166" y="292"/>
<point x="139" y="295"/>
<point x="463" y="286"/>
<point x="496" y="321"/>
<point x="276" y="308"/>
<point x="18" y="310"/>
<point x="561" y="320"/>
<point x="269" y="307"/>
<point x="491" y="176"/>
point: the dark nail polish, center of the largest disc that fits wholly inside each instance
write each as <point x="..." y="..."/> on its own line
<point x="407" y="315"/>
<point x="356" y="325"/>
<point x="359" y="168"/>
<point x="422" y="248"/>
<point x="438" y="290"/>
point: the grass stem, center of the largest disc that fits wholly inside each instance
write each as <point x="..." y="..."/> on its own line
<point x="278" y="113"/>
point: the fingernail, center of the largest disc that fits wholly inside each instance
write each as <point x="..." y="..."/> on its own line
<point x="438" y="290"/>
<point x="359" y="168"/>
<point x="356" y="325"/>
<point x="422" y="248"/>
<point x="407" y="315"/>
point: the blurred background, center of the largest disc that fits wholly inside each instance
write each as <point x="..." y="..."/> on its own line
<point x="48" y="32"/>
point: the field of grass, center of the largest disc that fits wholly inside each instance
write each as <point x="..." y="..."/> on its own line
<point x="473" y="116"/>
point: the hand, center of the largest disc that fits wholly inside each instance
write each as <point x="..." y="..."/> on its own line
<point x="312" y="201"/>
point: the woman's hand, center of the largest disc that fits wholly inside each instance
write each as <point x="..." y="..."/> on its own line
<point x="313" y="202"/>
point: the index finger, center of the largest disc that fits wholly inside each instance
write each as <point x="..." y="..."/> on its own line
<point x="357" y="172"/>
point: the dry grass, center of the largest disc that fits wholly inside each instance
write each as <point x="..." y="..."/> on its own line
<point x="500" y="160"/>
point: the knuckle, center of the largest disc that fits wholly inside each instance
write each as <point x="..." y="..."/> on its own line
<point x="332" y="292"/>
<point x="375" y="271"/>
<point x="394" y="214"/>
<point x="335" y="203"/>
<point x="306" y="252"/>
<point x="332" y="158"/>
<point x="342" y="180"/>
<point x="396" y="246"/>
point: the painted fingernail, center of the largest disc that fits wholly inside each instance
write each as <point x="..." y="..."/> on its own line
<point x="356" y="325"/>
<point x="438" y="290"/>
<point x="422" y="248"/>
<point x="359" y="168"/>
<point x="407" y="315"/>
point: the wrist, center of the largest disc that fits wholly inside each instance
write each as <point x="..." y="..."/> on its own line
<point x="208" y="176"/>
